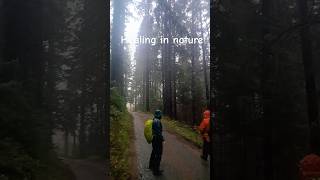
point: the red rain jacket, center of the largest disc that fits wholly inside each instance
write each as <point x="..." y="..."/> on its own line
<point x="310" y="167"/>
<point x="205" y="126"/>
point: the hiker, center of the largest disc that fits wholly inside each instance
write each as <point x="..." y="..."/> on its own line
<point x="204" y="130"/>
<point x="157" y="140"/>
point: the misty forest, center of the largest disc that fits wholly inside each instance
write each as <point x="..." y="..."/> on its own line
<point x="53" y="89"/>
<point x="265" y="87"/>
<point x="172" y="77"/>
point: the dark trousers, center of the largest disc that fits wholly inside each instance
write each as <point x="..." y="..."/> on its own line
<point x="206" y="149"/>
<point x="156" y="154"/>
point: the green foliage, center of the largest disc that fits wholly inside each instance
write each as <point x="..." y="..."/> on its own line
<point x="120" y="133"/>
<point x="119" y="138"/>
<point x="25" y="138"/>
<point x="22" y="121"/>
<point x="117" y="102"/>
<point x="14" y="162"/>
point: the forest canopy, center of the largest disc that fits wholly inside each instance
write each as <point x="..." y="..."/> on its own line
<point x="164" y="65"/>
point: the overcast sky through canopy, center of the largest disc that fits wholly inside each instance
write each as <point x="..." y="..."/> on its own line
<point x="132" y="27"/>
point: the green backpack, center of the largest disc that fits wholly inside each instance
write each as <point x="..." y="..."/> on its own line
<point x="148" y="130"/>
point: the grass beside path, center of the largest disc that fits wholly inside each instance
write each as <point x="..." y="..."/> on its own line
<point x="120" y="135"/>
<point x="183" y="130"/>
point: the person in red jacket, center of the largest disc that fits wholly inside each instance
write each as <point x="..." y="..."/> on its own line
<point x="310" y="167"/>
<point x="204" y="129"/>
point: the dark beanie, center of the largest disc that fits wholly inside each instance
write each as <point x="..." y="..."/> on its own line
<point x="157" y="114"/>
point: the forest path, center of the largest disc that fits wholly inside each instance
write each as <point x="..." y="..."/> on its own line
<point x="180" y="159"/>
<point x="85" y="169"/>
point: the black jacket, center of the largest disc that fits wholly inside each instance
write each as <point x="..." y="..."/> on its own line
<point x="157" y="129"/>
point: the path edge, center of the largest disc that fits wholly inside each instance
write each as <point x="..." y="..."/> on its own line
<point x="133" y="165"/>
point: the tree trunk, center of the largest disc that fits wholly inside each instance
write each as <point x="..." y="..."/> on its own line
<point x="193" y="101"/>
<point x="265" y="92"/>
<point x="66" y="143"/>
<point x="106" y="97"/>
<point x="309" y="71"/>
<point x="74" y="143"/>
<point x="147" y="79"/>
<point x="82" y="133"/>
<point x="174" y="91"/>
<point x="117" y="50"/>
<point x="204" y="64"/>
<point x="167" y="70"/>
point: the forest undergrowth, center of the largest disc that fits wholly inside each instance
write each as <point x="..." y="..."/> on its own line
<point x="121" y="132"/>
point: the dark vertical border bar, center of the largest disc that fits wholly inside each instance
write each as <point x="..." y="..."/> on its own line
<point x="212" y="101"/>
<point x="107" y="86"/>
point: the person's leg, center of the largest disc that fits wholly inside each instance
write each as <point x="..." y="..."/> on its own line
<point x="152" y="157"/>
<point x="205" y="150"/>
<point x="209" y="148"/>
<point x="151" y="161"/>
<point x="158" y="154"/>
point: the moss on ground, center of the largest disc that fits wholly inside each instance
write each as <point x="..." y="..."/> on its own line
<point x="184" y="130"/>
